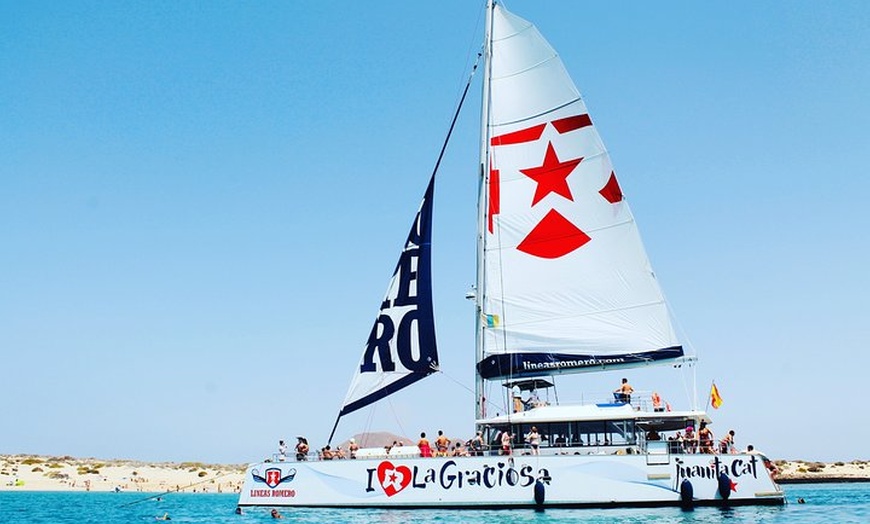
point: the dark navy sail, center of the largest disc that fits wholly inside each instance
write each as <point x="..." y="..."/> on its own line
<point x="401" y="347"/>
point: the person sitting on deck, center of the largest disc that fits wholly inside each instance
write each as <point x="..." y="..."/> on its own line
<point x="623" y="392"/>
<point x="726" y="444"/>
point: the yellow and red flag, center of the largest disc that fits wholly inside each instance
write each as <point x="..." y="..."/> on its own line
<point x="715" y="398"/>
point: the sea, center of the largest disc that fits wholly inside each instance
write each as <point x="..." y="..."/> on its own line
<point x="834" y="503"/>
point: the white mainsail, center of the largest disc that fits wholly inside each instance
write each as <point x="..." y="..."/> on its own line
<point x="566" y="286"/>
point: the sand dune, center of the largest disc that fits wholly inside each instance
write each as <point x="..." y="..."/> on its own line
<point x="41" y="473"/>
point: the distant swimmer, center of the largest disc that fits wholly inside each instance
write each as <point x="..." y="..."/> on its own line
<point x="164" y="517"/>
<point x="276" y="515"/>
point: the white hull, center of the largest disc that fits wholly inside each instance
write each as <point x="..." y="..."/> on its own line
<point x="498" y="481"/>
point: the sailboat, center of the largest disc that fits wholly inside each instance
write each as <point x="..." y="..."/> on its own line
<point x="563" y="286"/>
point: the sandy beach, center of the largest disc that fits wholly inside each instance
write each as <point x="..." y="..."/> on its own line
<point x="43" y="473"/>
<point x="800" y="471"/>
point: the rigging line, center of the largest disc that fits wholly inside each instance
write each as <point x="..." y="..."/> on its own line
<point x="396" y="417"/>
<point x="158" y="495"/>
<point x="463" y="386"/>
<point x="473" y="43"/>
<point x="509" y="407"/>
<point x="456" y="115"/>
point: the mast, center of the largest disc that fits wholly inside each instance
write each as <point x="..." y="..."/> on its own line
<point x="482" y="206"/>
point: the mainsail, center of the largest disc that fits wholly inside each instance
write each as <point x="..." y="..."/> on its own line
<point x="566" y="285"/>
<point x="401" y="347"/>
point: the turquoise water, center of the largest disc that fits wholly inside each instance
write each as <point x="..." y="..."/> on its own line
<point x="824" y="502"/>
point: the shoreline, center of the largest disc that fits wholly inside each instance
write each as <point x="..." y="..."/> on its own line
<point x="822" y="480"/>
<point x="50" y="473"/>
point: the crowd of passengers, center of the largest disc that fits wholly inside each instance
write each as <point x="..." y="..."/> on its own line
<point x="701" y="441"/>
<point x="504" y="442"/>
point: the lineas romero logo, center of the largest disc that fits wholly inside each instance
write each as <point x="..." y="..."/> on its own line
<point x="394" y="479"/>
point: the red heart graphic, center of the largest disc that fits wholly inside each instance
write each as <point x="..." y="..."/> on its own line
<point x="393" y="478"/>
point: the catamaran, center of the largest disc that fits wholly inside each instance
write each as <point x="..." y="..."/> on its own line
<point x="563" y="286"/>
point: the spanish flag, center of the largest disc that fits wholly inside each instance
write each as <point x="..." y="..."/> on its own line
<point x="715" y="398"/>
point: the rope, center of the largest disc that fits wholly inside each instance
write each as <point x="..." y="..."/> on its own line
<point x="152" y="497"/>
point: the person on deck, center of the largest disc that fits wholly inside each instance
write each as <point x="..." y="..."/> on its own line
<point x="518" y="399"/>
<point x="534" y="439"/>
<point x="690" y="441"/>
<point x="282" y="451"/>
<point x="726" y="444"/>
<point x="476" y="445"/>
<point x="353" y="447"/>
<point x="302" y="449"/>
<point x="656" y="401"/>
<point x="423" y="444"/>
<point x="623" y="392"/>
<point x="506" y="442"/>
<point x="705" y="439"/>
<point x="441" y="444"/>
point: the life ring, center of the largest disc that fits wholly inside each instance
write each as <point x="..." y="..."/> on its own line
<point x="687" y="495"/>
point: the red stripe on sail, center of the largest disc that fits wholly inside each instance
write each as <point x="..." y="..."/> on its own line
<point x="564" y="125"/>
<point x="530" y="134"/>
<point x="494" y="196"/>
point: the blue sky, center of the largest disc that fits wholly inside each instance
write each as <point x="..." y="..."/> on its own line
<point x="201" y="204"/>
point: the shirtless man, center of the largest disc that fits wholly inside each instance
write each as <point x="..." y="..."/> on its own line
<point x="623" y="392"/>
<point x="441" y="444"/>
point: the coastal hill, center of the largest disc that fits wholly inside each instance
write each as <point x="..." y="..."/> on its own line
<point x="44" y="473"/>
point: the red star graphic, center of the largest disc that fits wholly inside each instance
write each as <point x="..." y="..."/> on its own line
<point x="552" y="176"/>
<point x="733" y="486"/>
